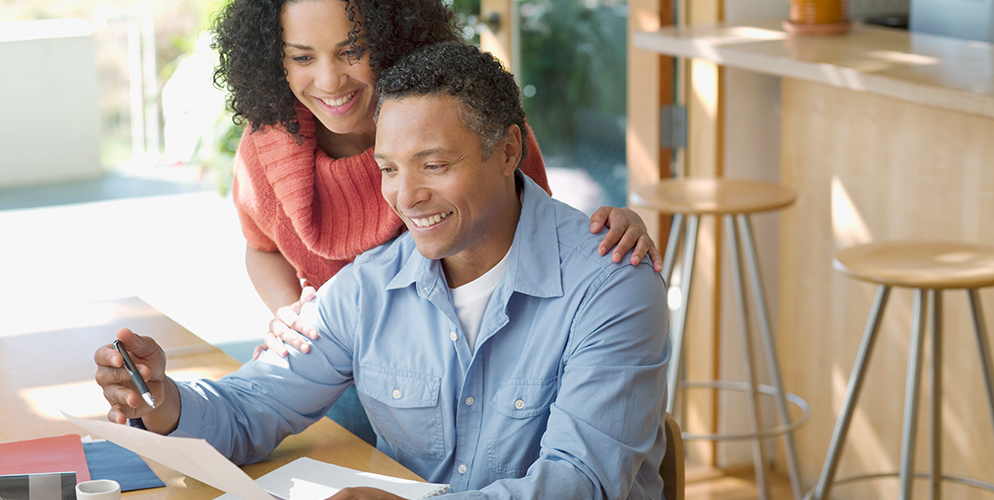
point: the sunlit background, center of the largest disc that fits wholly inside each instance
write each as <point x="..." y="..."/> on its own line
<point x="115" y="175"/>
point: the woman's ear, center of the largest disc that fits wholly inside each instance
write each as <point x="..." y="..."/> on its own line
<point x="511" y="150"/>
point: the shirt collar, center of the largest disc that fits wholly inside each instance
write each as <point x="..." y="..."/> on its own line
<point x="534" y="261"/>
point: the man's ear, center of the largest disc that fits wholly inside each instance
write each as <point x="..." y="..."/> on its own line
<point x="511" y="150"/>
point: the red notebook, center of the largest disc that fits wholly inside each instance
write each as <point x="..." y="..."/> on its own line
<point x="52" y="454"/>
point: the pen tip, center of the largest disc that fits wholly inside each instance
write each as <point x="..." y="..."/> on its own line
<point x="149" y="399"/>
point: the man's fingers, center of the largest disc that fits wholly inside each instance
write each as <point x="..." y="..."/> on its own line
<point x="363" y="493"/>
<point x="108" y="356"/>
<point x="115" y="415"/>
<point x="137" y="345"/>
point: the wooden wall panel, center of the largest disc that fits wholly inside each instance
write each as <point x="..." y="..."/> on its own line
<point x="872" y="168"/>
<point x="702" y="94"/>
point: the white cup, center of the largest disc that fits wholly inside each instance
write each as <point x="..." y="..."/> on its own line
<point x="101" y="489"/>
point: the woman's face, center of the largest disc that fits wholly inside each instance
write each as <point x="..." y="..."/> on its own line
<point x="322" y="69"/>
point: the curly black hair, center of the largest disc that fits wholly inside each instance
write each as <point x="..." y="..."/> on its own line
<point x="249" y="39"/>
<point x="489" y="96"/>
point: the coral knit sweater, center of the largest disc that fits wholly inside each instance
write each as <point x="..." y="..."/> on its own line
<point x="319" y="212"/>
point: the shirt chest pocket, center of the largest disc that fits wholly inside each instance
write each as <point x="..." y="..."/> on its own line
<point x="403" y="408"/>
<point x="522" y="413"/>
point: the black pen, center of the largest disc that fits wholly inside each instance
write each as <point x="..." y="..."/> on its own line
<point x="136" y="377"/>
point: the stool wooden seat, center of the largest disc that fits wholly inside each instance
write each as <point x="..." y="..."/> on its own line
<point x="705" y="196"/>
<point x="928" y="267"/>
<point x="688" y="199"/>
<point x="919" y="264"/>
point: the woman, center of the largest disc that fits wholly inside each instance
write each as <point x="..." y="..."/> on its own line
<point x="303" y="74"/>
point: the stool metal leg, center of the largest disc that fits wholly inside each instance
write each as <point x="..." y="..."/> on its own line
<point x="669" y="255"/>
<point x="679" y="324"/>
<point x="911" y="393"/>
<point x="750" y="371"/>
<point x="935" y="477"/>
<point x="824" y="487"/>
<point x="983" y="346"/>
<point x="793" y="468"/>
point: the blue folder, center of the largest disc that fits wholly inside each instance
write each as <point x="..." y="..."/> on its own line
<point x="107" y="460"/>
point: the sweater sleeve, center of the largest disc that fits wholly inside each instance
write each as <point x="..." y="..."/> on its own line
<point x="534" y="166"/>
<point x="250" y="196"/>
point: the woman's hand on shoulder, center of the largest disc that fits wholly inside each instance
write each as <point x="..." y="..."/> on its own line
<point x="626" y="232"/>
<point x="288" y="328"/>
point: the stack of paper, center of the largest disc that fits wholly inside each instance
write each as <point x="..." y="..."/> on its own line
<point x="309" y="479"/>
<point x="303" y="479"/>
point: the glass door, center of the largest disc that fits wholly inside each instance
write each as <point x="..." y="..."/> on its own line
<point x="572" y="71"/>
<point x="569" y="57"/>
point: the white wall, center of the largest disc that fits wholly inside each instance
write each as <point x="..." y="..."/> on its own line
<point x="49" y="113"/>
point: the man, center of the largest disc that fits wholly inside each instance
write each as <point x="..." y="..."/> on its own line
<point x="493" y="349"/>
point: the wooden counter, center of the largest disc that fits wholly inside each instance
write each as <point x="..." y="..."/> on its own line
<point x="886" y="135"/>
<point x="914" y="67"/>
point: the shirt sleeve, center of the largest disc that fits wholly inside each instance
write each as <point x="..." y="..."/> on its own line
<point x="605" y="437"/>
<point x="246" y="414"/>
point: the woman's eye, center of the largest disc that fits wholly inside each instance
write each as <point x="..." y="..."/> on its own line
<point x="300" y="59"/>
<point x="353" y="54"/>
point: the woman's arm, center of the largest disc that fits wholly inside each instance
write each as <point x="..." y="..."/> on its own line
<point x="276" y="282"/>
<point x="274" y="278"/>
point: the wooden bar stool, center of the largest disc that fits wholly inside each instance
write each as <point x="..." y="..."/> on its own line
<point x="928" y="268"/>
<point x="733" y="200"/>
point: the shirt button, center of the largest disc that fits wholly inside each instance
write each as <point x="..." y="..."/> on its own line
<point x="396" y="394"/>
<point x="453" y="336"/>
<point x="470" y="401"/>
<point x="519" y="404"/>
<point x="462" y="469"/>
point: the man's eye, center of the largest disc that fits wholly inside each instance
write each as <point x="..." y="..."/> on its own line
<point x="434" y="166"/>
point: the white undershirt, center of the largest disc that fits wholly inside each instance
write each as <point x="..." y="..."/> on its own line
<point x="470" y="300"/>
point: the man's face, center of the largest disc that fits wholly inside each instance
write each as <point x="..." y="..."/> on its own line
<point x="455" y="203"/>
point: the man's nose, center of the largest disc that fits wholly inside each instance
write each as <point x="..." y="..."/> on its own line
<point x="410" y="191"/>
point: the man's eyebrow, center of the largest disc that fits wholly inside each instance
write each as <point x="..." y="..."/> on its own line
<point x="419" y="154"/>
<point x="430" y="152"/>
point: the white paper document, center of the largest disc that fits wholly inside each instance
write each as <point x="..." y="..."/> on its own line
<point x="194" y="457"/>
<point x="309" y="479"/>
<point x="302" y="479"/>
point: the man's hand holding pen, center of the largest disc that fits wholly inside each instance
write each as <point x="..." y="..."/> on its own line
<point x="122" y="391"/>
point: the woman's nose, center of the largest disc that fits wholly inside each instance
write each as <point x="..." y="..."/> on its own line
<point x="330" y="77"/>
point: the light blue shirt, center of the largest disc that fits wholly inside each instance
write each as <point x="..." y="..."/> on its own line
<point x="561" y="399"/>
